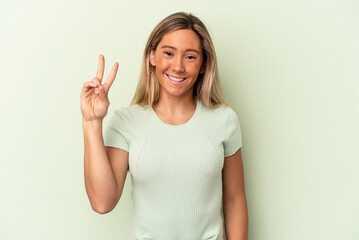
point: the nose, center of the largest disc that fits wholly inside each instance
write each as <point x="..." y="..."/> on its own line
<point x="177" y="64"/>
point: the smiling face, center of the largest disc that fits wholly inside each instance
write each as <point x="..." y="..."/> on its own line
<point x="178" y="60"/>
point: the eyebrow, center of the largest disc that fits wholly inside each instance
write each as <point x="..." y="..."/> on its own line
<point x="187" y="50"/>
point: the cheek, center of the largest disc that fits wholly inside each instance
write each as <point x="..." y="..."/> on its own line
<point x="194" y="68"/>
<point x="161" y="67"/>
<point x="162" y="63"/>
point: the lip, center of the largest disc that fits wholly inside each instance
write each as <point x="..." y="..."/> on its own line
<point x="175" y="82"/>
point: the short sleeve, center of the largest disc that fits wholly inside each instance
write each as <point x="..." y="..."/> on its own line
<point x="233" y="137"/>
<point x="116" y="131"/>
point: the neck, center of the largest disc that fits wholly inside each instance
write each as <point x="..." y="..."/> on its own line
<point x="175" y="111"/>
<point x="172" y="106"/>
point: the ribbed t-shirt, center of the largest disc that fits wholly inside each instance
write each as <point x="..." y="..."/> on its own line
<point x="176" y="171"/>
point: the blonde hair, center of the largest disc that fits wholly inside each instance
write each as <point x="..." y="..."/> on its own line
<point x="207" y="88"/>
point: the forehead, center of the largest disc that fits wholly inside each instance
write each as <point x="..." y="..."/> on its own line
<point x="181" y="40"/>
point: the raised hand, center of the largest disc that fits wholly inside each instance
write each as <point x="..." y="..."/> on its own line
<point x="94" y="95"/>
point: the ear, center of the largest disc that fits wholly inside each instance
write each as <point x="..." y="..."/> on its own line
<point x="152" y="58"/>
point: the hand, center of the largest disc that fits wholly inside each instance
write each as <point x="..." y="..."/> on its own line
<point x="94" y="95"/>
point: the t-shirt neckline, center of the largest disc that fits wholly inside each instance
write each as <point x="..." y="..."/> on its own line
<point x="189" y="122"/>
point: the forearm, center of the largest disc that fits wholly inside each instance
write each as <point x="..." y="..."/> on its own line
<point x="99" y="179"/>
<point x="236" y="220"/>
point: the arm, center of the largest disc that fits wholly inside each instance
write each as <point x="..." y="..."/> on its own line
<point x="234" y="199"/>
<point x="105" y="170"/>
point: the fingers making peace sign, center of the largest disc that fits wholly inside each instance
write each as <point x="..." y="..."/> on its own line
<point x="94" y="95"/>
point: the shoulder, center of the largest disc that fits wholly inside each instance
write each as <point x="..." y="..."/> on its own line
<point x="130" y="111"/>
<point x="130" y="115"/>
<point x="222" y="113"/>
<point x="221" y="124"/>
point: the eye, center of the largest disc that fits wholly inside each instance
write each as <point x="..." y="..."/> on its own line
<point x="190" y="57"/>
<point x="167" y="53"/>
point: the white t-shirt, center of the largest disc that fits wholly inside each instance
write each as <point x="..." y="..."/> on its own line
<point x="176" y="171"/>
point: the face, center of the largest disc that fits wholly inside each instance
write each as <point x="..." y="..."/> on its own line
<point x="178" y="60"/>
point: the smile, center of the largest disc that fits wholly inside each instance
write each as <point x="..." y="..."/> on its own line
<point x="175" y="79"/>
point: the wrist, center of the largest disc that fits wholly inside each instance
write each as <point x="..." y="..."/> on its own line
<point x="92" y="123"/>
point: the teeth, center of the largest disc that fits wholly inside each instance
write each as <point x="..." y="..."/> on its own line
<point x="176" y="79"/>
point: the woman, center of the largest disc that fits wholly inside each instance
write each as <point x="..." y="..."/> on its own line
<point x="180" y="141"/>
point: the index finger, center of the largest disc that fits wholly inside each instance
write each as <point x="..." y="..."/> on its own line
<point x="111" y="77"/>
<point x="101" y="67"/>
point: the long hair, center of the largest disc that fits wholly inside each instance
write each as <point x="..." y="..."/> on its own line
<point x="207" y="87"/>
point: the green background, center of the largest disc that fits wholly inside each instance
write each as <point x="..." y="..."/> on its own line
<point x="290" y="68"/>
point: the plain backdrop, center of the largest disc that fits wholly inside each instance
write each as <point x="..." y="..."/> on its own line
<point x="290" y="68"/>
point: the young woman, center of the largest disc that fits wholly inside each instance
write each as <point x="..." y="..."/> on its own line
<point x="180" y="140"/>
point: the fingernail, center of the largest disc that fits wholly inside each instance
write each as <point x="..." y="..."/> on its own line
<point x="96" y="91"/>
